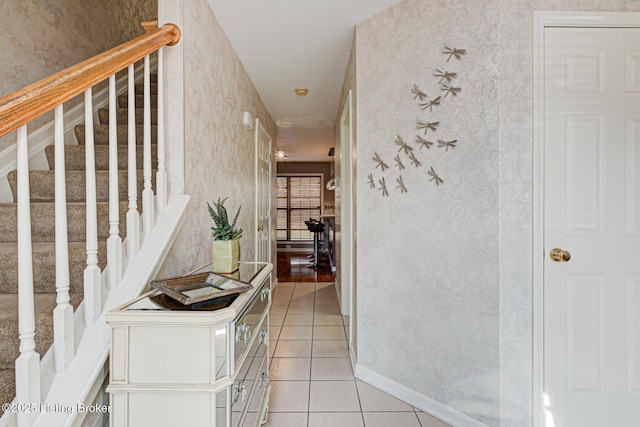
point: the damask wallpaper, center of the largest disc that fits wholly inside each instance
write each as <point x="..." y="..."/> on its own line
<point x="219" y="152"/>
<point x="40" y="38"/>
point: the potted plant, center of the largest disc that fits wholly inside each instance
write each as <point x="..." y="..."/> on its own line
<point x="225" y="249"/>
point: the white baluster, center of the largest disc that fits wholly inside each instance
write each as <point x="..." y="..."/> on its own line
<point x="114" y="242"/>
<point x="161" y="175"/>
<point x="92" y="291"/>
<point x="28" y="363"/>
<point x="63" y="335"/>
<point x="133" y="217"/>
<point x="148" y="210"/>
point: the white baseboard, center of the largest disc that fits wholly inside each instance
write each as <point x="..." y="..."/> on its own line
<point x="352" y="356"/>
<point x="415" y="399"/>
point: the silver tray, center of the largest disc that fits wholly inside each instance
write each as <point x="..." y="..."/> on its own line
<point x="197" y="288"/>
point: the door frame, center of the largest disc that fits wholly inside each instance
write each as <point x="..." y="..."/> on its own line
<point x="262" y="131"/>
<point x="541" y="21"/>
<point x="347" y="225"/>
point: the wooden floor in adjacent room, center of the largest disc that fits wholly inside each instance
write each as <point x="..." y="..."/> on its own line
<point x="293" y="267"/>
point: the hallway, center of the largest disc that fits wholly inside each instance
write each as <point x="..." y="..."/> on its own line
<point x="293" y="267"/>
<point x="311" y="376"/>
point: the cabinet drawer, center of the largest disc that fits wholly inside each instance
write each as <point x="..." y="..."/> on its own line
<point x="249" y="370"/>
<point x="252" y="414"/>
<point x="258" y="388"/>
<point x="244" y="327"/>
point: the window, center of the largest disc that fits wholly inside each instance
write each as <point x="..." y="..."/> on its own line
<point x="299" y="198"/>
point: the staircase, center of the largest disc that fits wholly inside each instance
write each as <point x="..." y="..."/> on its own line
<point x="43" y="229"/>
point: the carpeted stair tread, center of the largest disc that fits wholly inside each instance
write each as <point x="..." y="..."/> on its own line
<point x="123" y="101"/>
<point x="44" y="305"/>
<point x="122" y="116"/>
<point x="153" y="87"/>
<point x="42" y="184"/>
<point x="101" y="134"/>
<point x="7" y="386"/>
<point x="44" y="270"/>
<point x="43" y="226"/>
<point x="42" y="187"/>
<point x="74" y="157"/>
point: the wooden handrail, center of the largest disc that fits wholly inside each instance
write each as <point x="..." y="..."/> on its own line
<point x="24" y="105"/>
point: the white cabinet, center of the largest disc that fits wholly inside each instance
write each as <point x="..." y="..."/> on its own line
<point x="193" y="368"/>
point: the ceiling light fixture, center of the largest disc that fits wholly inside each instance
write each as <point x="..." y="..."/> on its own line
<point x="301" y="91"/>
<point x="280" y="155"/>
<point x="331" y="184"/>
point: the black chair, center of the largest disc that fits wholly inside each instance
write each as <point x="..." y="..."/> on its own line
<point x="317" y="228"/>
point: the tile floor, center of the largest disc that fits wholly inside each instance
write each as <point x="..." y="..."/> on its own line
<point x="311" y="377"/>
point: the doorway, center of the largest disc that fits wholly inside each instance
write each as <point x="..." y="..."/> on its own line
<point x="263" y="193"/>
<point x="586" y="219"/>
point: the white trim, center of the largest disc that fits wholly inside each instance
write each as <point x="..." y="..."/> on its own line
<point x="42" y="137"/>
<point x="542" y="20"/>
<point x="261" y="130"/>
<point x="346" y="261"/>
<point x="418" y="400"/>
<point x="78" y="383"/>
<point x="95" y="390"/>
<point x="585" y="19"/>
<point x="94" y="348"/>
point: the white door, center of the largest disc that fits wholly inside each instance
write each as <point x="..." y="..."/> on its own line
<point x="263" y="194"/>
<point x="592" y="211"/>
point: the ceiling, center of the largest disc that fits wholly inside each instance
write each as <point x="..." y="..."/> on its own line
<point x="284" y="44"/>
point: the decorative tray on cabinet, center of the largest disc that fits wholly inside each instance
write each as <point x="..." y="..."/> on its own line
<point x="198" y="288"/>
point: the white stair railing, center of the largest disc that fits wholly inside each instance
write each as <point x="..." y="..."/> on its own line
<point x="92" y="293"/>
<point x="28" y="363"/>
<point x="148" y="209"/>
<point x="63" y="328"/>
<point x="114" y="242"/>
<point x="161" y="175"/>
<point x="36" y="377"/>
<point x="133" y="217"/>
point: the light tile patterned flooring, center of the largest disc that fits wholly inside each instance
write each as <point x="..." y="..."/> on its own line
<point x="311" y="377"/>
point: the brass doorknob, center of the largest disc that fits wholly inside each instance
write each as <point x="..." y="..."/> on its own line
<point x="559" y="255"/>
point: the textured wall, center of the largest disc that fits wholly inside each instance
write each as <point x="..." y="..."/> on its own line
<point x="219" y="152"/>
<point x="456" y="301"/>
<point x="428" y="301"/>
<point x="41" y="37"/>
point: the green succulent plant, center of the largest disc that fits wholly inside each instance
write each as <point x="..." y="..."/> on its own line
<point x="223" y="230"/>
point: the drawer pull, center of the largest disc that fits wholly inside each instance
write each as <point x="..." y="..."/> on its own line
<point x="264" y="379"/>
<point x="244" y="393"/>
<point x="247" y="333"/>
<point x="240" y="329"/>
<point x="263" y="338"/>
<point x="264" y="295"/>
<point x="236" y="393"/>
